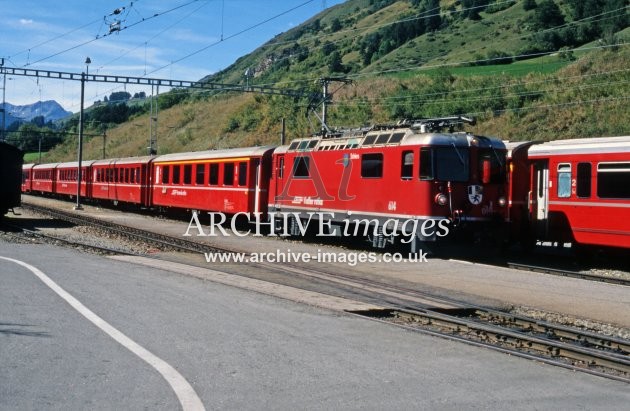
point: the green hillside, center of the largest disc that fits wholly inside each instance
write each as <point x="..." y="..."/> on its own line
<point x="526" y="69"/>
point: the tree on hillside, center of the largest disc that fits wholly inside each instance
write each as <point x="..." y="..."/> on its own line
<point x="619" y="19"/>
<point x="432" y="8"/>
<point x="548" y="15"/>
<point x="529" y="5"/>
<point x="472" y="8"/>
<point x="120" y="96"/>
<point x="334" y="63"/>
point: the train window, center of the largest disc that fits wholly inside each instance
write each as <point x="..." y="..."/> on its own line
<point x="426" y="164"/>
<point x="583" y="189"/>
<point x="406" y="168"/>
<point x="613" y="180"/>
<point x="176" y="174"/>
<point x="396" y="138"/>
<point x="312" y="143"/>
<point x="228" y="174"/>
<point x="213" y="179"/>
<point x="200" y="173"/>
<point x="369" y="139"/>
<point x="301" y="166"/>
<point x="382" y="139"/>
<point x="303" y="145"/>
<point x="452" y="163"/>
<point x="127" y="173"/>
<point x="165" y="174"/>
<point x="242" y="174"/>
<point x="372" y="165"/>
<point x="294" y="145"/>
<point x="187" y="173"/>
<point x="564" y="180"/>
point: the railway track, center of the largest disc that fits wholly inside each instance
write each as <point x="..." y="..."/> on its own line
<point x="567" y="273"/>
<point x="567" y="347"/>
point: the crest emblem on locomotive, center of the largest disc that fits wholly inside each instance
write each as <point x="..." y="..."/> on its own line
<point x="475" y="194"/>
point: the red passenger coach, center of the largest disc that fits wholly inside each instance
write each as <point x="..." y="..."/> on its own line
<point x="518" y="184"/>
<point x="229" y="181"/>
<point x="396" y="173"/>
<point x="580" y="191"/>
<point x="122" y="180"/>
<point x="66" y="178"/>
<point x="27" y="181"/>
<point x="44" y="178"/>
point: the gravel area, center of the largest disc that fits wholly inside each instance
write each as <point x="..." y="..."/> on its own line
<point x="567" y="320"/>
<point x="609" y="273"/>
<point x="81" y="235"/>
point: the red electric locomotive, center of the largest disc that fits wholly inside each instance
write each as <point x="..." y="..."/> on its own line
<point x="577" y="191"/>
<point x="387" y="176"/>
<point x="229" y="181"/>
<point x="122" y="180"/>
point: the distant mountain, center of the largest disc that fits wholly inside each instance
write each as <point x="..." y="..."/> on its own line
<point x="50" y="110"/>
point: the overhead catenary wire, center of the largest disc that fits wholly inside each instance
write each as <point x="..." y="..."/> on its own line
<point x="99" y="37"/>
<point x="238" y="33"/>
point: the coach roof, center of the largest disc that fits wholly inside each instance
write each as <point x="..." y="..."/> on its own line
<point x="121" y="161"/>
<point x="596" y="145"/>
<point x="215" y="154"/>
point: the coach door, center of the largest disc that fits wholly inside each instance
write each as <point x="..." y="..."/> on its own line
<point x="541" y="193"/>
<point x="255" y="163"/>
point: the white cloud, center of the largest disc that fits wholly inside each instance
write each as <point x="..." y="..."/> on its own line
<point x="26" y="22"/>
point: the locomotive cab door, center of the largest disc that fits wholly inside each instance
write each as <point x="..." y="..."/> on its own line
<point x="279" y="174"/>
<point x="540" y="191"/>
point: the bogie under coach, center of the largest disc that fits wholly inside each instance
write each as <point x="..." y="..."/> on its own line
<point x="406" y="180"/>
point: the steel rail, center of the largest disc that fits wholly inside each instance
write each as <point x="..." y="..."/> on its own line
<point x="572" y="274"/>
<point x="556" y="341"/>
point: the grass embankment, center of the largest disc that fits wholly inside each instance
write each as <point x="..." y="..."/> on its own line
<point x="544" y="99"/>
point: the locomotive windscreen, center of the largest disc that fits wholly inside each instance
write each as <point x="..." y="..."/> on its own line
<point x="445" y="163"/>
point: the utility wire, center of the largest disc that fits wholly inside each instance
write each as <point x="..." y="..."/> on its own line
<point x="233" y="35"/>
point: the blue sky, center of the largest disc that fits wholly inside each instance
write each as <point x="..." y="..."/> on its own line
<point x="160" y="34"/>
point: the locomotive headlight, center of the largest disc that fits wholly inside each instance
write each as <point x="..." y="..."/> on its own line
<point x="502" y="201"/>
<point x="441" y="199"/>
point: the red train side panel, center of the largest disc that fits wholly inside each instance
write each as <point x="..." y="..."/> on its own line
<point x="122" y="180"/>
<point x="44" y="178"/>
<point x="66" y="179"/>
<point x="230" y="181"/>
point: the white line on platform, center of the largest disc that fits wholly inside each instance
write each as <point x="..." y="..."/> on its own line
<point x="187" y="396"/>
